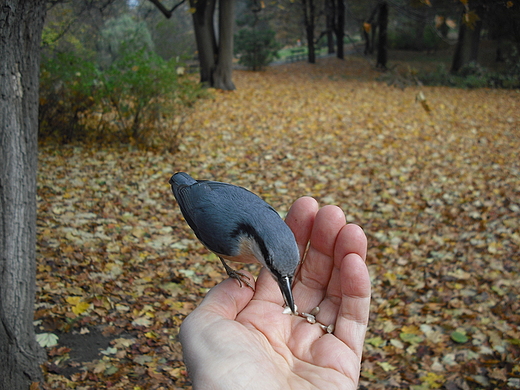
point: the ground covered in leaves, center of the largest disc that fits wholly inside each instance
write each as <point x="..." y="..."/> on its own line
<point x="437" y="192"/>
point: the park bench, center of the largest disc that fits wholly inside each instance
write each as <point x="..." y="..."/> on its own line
<point x="297" y="54"/>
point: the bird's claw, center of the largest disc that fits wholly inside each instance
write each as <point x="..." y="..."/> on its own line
<point x="241" y="278"/>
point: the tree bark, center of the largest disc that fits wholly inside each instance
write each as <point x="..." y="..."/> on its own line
<point x="340" y="28"/>
<point x="215" y="59"/>
<point x="308" y="18"/>
<point x="329" y="19"/>
<point x="205" y="37"/>
<point x="381" y="45"/>
<point x="222" y="75"/>
<point x="21" y="23"/>
<point x="467" y="45"/>
<point x="369" y="31"/>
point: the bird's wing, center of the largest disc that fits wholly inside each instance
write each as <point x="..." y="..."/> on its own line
<point x="241" y="194"/>
<point x="189" y="198"/>
<point x="213" y="209"/>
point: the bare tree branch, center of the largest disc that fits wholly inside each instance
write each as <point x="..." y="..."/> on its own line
<point x="164" y="10"/>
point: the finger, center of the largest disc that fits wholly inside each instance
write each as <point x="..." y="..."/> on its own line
<point x="267" y="289"/>
<point x="351" y="240"/>
<point x="300" y="219"/>
<point x="317" y="267"/>
<point x="216" y="312"/>
<point x="352" y="319"/>
<point x="227" y="298"/>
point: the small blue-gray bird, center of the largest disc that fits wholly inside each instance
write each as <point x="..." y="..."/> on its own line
<point x="237" y="225"/>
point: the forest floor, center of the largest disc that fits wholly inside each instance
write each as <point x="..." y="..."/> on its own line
<point x="435" y="185"/>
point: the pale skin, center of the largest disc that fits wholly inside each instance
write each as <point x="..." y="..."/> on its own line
<point x="240" y="339"/>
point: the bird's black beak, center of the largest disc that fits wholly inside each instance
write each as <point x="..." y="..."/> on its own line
<point x="285" y="283"/>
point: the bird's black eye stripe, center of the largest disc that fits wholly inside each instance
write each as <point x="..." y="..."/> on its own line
<point x="248" y="230"/>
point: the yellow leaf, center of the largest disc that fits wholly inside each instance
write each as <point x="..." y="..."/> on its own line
<point x="386" y="366"/>
<point x="73" y="300"/>
<point x="80" y="308"/>
<point x="470" y="19"/>
<point x="192" y="10"/>
<point x="433" y="380"/>
<point x="411" y="329"/>
<point x="391" y="277"/>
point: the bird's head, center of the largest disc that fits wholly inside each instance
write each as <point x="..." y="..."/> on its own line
<point x="276" y="249"/>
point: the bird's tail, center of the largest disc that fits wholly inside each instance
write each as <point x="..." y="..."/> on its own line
<point x="182" y="179"/>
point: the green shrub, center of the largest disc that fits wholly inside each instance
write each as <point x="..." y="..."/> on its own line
<point x="472" y="75"/>
<point x="68" y="88"/>
<point x="256" y="48"/>
<point x="400" y="38"/>
<point x="432" y="39"/>
<point x="139" y="99"/>
<point x="142" y="93"/>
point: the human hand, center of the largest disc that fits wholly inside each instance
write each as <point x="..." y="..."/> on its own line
<point x="240" y="339"/>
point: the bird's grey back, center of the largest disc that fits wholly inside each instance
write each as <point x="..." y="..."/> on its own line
<point x="220" y="212"/>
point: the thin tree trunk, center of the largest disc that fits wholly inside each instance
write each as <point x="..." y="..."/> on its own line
<point x="340" y="28"/>
<point x="329" y="11"/>
<point x="205" y="37"/>
<point x="20" y="35"/>
<point x="467" y="44"/>
<point x="381" y="45"/>
<point x="222" y="75"/>
<point x="475" y="41"/>
<point x="369" y="33"/>
<point x="309" y="17"/>
<point x="216" y="60"/>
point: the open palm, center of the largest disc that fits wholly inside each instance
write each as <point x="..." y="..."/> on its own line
<point x="237" y="339"/>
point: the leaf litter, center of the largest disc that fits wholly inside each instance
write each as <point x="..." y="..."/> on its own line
<point x="437" y="192"/>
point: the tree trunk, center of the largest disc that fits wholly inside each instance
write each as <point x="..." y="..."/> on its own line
<point x="310" y="44"/>
<point x="205" y="37"/>
<point x="467" y="45"/>
<point x="340" y="28"/>
<point x="329" y="12"/>
<point x="20" y="35"/>
<point x="381" y="45"/>
<point x="216" y="60"/>
<point x="369" y="31"/>
<point x="222" y="74"/>
<point x="373" y="36"/>
<point x="366" y="37"/>
<point x="309" y="17"/>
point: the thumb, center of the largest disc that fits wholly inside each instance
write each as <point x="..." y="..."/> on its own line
<point x="227" y="298"/>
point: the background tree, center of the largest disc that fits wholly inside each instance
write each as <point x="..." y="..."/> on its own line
<point x="501" y="20"/>
<point x="123" y="34"/>
<point x="309" y="20"/>
<point x="382" y="26"/>
<point x="335" y="26"/>
<point x="369" y="30"/>
<point x="330" y="23"/>
<point x="255" y="42"/>
<point x="339" y="27"/>
<point x="215" y="55"/>
<point x="20" y="34"/>
<point x="470" y="27"/>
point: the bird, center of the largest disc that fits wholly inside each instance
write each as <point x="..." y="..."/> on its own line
<point x="237" y="225"/>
